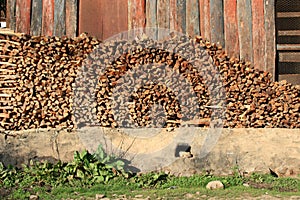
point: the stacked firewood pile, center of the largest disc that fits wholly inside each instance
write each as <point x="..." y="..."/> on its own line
<point x="48" y="67"/>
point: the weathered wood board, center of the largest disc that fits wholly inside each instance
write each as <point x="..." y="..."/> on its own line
<point x="36" y="17"/>
<point x="231" y="29"/>
<point x="48" y="17"/>
<point x="71" y="18"/>
<point x="23" y="8"/>
<point x="217" y="22"/>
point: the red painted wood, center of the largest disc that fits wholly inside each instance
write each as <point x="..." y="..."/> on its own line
<point x="258" y="34"/>
<point x="71" y="17"/>
<point x="231" y="28"/>
<point x="23" y="16"/>
<point x="48" y="17"/>
<point x="163" y="17"/>
<point x="136" y="14"/>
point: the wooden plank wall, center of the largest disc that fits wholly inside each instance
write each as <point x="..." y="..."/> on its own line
<point x="43" y="17"/>
<point x="245" y="28"/>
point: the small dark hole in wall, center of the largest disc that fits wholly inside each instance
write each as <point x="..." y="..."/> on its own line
<point x="182" y="147"/>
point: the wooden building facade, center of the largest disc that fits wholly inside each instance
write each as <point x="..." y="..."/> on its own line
<point x="247" y="29"/>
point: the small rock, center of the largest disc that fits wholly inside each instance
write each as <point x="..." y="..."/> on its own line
<point x="172" y="188"/>
<point x="246" y="185"/>
<point x="184" y="154"/>
<point x="99" y="196"/>
<point x="33" y="197"/>
<point x="188" y="195"/>
<point x="213" y="185"/>
<point x="138" y="196"/>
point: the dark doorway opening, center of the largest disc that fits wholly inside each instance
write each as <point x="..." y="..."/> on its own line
<point x="288" y="40"/>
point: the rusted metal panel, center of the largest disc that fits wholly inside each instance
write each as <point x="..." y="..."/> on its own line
<point x="258" y="35"/>
<point x="217" y="21"/>
<point x="231" y="29"/>
<point x="59" y="17"/>
<point x="151" y="20"/>
<point x="71" y="17"/>
<point x="90" y="18"/>
<point x="244" y="12"/>
<point x="136" y="14"/>
<point x="36" y="17"/>
<point x="114" y="21"/>
<point x="23" y="16"/>
<point x="48" y="17"/>
<point x="192" y="17"/>
<point x="270" y="42"/>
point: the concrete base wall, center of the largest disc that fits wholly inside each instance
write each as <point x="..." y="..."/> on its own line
<point x="248" y="150"/>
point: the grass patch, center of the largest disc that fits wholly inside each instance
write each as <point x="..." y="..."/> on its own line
<point x="91" y="174"/>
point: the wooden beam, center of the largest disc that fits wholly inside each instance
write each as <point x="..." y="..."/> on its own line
<point x="48" y="17"/>
<point x="288" y="14"/>
<point x="23" y="16"/>
<point x="217" y="22"/>
<point x="288" y="47"/>
<point x="59" y="17"/>
<point x="192" y="17"/>
<point x="289" y="57"/>
<point x="270" y="41"/>
<point x="231" y="29"/>
<point x="258" y="35"/>
<point x="178" y="15"/>
<point x="36" y="17"/>
<point x="71" y="18"/>
<point x="244" y="11"/>
<point x="289" y="33"/>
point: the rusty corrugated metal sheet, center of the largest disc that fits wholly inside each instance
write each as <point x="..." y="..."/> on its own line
<point x="104" y="18"/>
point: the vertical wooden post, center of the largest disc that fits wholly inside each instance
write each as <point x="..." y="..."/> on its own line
<point x="11" y="14"/>
<point x="217" y="21"/>
<point x="258" y="34"/>
<point x="71" y="17"/>
<point x="36" y="17"/>
<point x="231" y="29"/>
<point x="192" y="17"/>
<point x="151" y="20"/>
<point x="23" y="16"/>
<point x="48" y="17"/>
<point x="270" y="41"/>
<point x="59" y="17"/>
<point x="245" y="29"/>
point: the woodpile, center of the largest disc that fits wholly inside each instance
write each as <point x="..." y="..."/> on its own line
<point x="40" y="76"/>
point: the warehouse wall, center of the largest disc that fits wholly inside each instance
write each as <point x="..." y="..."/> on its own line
<point x="246" y="28"/>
